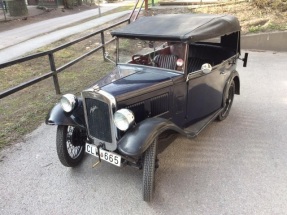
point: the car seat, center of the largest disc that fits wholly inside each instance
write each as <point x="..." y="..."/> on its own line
<point x="166" y="61"/>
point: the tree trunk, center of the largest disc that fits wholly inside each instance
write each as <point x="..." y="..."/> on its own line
<point x="17" y="8"/>
<point x="69" y="4"/>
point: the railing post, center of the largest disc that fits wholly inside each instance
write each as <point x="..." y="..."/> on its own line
<point x="132" y="13"/>
<point x="103" y="44"/>
<point x="55" y="76"/>
<point x="143" y="1"/>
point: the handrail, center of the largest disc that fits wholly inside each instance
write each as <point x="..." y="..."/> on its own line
<point x="50" y="53"/>
<point x="139" y="10"/>
<point x="134" y="9"/>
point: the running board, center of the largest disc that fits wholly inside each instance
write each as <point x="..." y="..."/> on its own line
<point x="193" y="130"/>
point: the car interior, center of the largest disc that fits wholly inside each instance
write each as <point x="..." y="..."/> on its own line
<point x="201" y="53"/>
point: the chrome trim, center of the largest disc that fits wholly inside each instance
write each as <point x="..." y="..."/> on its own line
<point x="111" y="101"/>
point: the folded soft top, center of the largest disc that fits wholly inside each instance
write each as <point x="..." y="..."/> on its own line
<point x="180" y="27"/>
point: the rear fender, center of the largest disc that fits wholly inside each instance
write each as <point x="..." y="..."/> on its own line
<point x="137" y="140"/>
<point x="58" y="116"/>
<point x="233" y="77"/>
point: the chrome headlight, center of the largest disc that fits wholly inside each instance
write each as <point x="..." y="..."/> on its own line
<point x="68" y="102"/>
<point x="123" y="119"/>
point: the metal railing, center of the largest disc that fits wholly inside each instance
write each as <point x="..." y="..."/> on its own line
<point x="53" y="70"/>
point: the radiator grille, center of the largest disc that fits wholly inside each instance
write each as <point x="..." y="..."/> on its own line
<point x="98" y="115"/>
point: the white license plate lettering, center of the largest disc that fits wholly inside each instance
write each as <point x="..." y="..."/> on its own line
<point x="92" y="150"/>
<point x="110" y="157"/>
<point x="105" y="155"/>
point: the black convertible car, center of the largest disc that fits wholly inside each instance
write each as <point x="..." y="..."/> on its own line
<point x="174" y="74"/>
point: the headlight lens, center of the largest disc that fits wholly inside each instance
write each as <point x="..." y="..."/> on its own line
<point x="123" y="119"/>
<point x="68" y="102"/>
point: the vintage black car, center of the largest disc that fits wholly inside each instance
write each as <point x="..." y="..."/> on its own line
<point x="174" y="74"/>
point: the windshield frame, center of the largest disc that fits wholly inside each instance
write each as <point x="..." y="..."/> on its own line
<point x="156" y="50"/>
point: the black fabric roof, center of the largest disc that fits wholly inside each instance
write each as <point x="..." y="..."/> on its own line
<point x="180" y="27"/>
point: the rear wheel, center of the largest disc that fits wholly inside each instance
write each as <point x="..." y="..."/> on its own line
<point x="228" y="102"/>
<point x="149" y="172"/>
<point x="70" y="145"/>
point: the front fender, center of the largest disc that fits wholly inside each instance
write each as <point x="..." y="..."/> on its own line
<point x="58" y="116"/>
<point x="136" y="141"/>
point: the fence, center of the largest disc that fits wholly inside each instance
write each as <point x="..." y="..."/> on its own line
<point x="53" y="70"/>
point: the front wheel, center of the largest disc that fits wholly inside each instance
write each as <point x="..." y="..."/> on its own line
<point x="70" y="144"/>
<point x="149" y="171"/>
<point x="227" y="102"/>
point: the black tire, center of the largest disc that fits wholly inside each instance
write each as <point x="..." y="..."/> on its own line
<point x="70" y="144"/>
<point x="227" y="102"/>
<point x="149" y="172"/>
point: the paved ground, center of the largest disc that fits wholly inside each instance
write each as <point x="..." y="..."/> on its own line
<point x="237" y="166"/>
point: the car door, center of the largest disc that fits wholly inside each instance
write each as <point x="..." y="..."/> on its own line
<point x="204" y="93"/>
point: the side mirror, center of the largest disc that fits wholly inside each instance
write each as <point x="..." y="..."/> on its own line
<point x="206" y="68"/>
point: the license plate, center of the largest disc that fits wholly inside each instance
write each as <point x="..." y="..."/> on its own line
<point x="105" y="155"/>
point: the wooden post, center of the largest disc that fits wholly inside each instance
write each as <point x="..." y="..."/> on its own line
<point x="146" y="5"/>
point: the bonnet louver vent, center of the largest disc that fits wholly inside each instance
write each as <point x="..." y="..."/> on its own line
<point x="150" y="108"/>
<point x="139" y="111"/>
<point x="159" y="105"/>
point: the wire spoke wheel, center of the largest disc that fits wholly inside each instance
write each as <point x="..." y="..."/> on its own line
<point x="73" y="139"/>
<point x="70" y="145"/>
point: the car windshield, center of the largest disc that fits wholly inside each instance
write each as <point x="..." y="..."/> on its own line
<point x="162" y="54"/>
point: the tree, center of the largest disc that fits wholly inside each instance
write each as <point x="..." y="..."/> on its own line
<point x="17" y="8"/>
<point x="69" y="4"/>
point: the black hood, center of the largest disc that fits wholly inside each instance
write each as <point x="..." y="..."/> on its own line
<point x="128" y="78"/>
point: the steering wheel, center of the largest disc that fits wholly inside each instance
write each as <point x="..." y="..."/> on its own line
<point x="140" y="59"/>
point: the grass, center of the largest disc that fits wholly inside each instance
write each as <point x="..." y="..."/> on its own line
<point x="268" y="27"/>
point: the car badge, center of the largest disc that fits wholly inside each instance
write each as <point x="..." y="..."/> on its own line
<point x="93" y="109"/>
